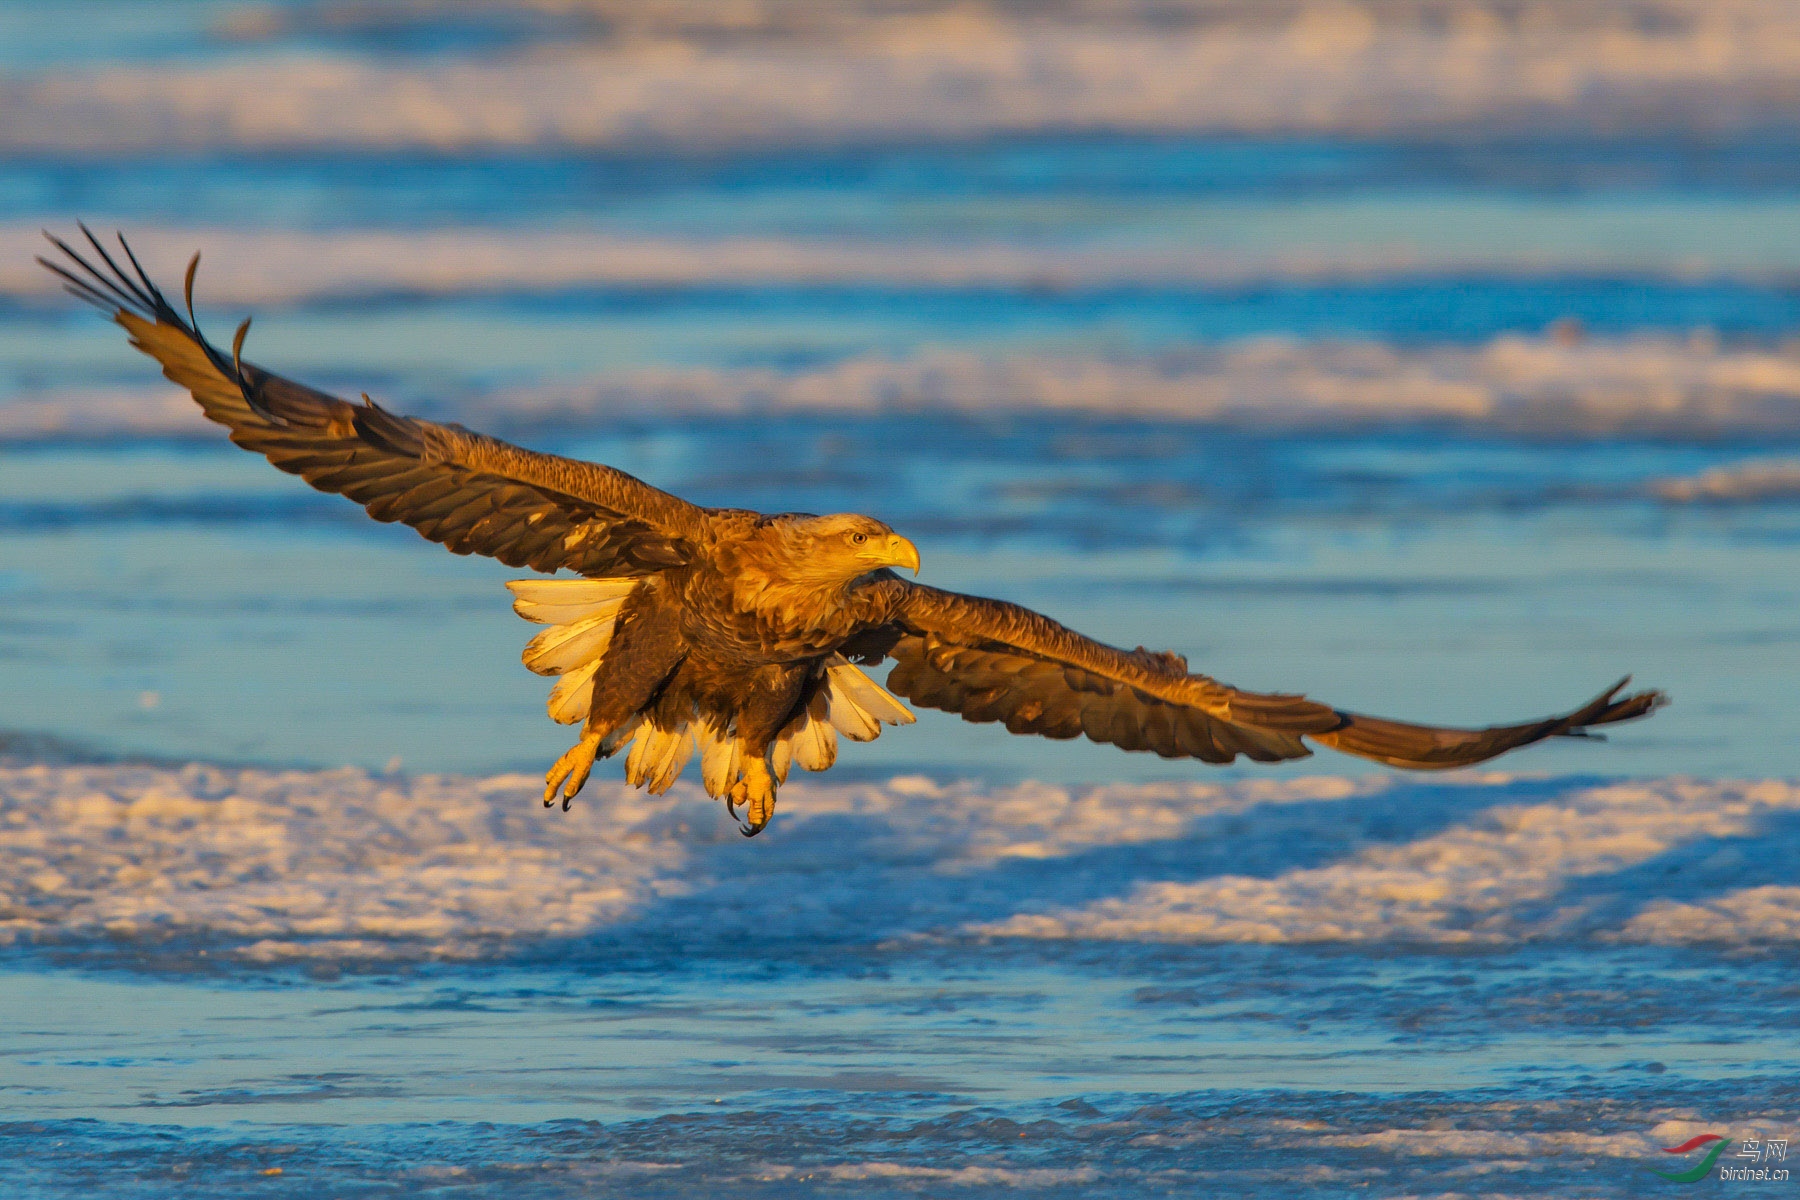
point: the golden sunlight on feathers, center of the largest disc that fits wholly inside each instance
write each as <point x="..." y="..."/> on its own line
<point x="582" y="614"/>
<point x="737" y="632"/>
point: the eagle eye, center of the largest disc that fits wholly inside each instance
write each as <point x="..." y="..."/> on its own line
<point x="857" y="539"/>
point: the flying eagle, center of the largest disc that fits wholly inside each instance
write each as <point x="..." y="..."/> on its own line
<point x="736" y="632"/>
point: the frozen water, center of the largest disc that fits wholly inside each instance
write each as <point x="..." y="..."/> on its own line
<point x="1433" y="359"/>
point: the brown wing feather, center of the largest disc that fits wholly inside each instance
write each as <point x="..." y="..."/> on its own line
<point x="993" y="661"/>
<point x="474" y="494"/>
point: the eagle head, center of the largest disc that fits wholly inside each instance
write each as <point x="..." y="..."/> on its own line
<point x="843" y="546"/>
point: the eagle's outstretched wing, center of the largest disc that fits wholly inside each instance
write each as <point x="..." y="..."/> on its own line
<point x="474" y="494"/>
<point x="993" y="661"/>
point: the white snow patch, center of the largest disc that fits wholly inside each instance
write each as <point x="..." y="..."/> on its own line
<point x="754" y="76"/>
<point x="1644" y="384"/>
<point x="1491" y="881"/>
<point x="1758" y="914"/>
<point x="1638" y="384"/>
<point x="1487" y="1144"/>
<point x="311" y="864"/>
<point x="1755" y="479"/>
<point x="274" y="866"/>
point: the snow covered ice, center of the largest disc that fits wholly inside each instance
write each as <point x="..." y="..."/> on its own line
<point x="1434" y="360"/>
<point x="266" y="866"/>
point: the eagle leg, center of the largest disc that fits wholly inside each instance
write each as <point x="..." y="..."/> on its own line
<point x="571" y="770"/>
<point x="756" y="792"/>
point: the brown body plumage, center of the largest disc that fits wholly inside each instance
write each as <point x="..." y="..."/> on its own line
<point x="734" y="632"/>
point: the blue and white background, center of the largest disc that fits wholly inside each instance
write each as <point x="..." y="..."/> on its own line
<point x="1438" y="359"/>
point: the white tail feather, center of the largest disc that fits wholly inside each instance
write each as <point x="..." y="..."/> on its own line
<point x="562" y="648"/>
<point x="781" y="754"/>
<point x="815" y="742"/>
<point x="850" y="703"/>
<point x="568" y="614"/>
<point x="561" y="601"/>
<point x="658" y="757"/>
<point x="674" y="762"/>
<point x="815" y="745"/>
<point x="640" y="747"/>
<point x="850" y="718"/>
<point x="573" y="694"/>
<point x="847" y="678"/>
<point x="581" y="614"/>
<point x="721" y="758"/>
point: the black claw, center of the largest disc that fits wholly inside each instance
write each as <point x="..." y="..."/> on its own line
<point x="567" y="800"/>
<point x="549" y="800"/>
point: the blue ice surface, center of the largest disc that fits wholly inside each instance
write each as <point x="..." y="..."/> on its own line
<point x="1247" y="1071"/>
<point x="1457" y="575"/>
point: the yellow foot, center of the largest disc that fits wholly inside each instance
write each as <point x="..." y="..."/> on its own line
<point x="571" y="771"/>
<point x="756" y="792"/>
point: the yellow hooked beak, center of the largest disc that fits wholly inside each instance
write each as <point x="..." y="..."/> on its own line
<point x="893" y="551"/>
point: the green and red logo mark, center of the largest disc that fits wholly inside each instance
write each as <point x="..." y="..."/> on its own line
<point x="1694" y="1174"/>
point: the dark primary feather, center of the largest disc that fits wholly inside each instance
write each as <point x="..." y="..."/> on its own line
<point x="474" y="494"/>
<point x="993" y="661"/>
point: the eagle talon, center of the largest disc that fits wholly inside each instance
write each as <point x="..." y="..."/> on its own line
<point x="570" y="772"/>
<point x="756" y="792"/>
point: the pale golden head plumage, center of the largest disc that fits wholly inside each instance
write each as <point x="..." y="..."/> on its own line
<point x="840" y="547"/>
